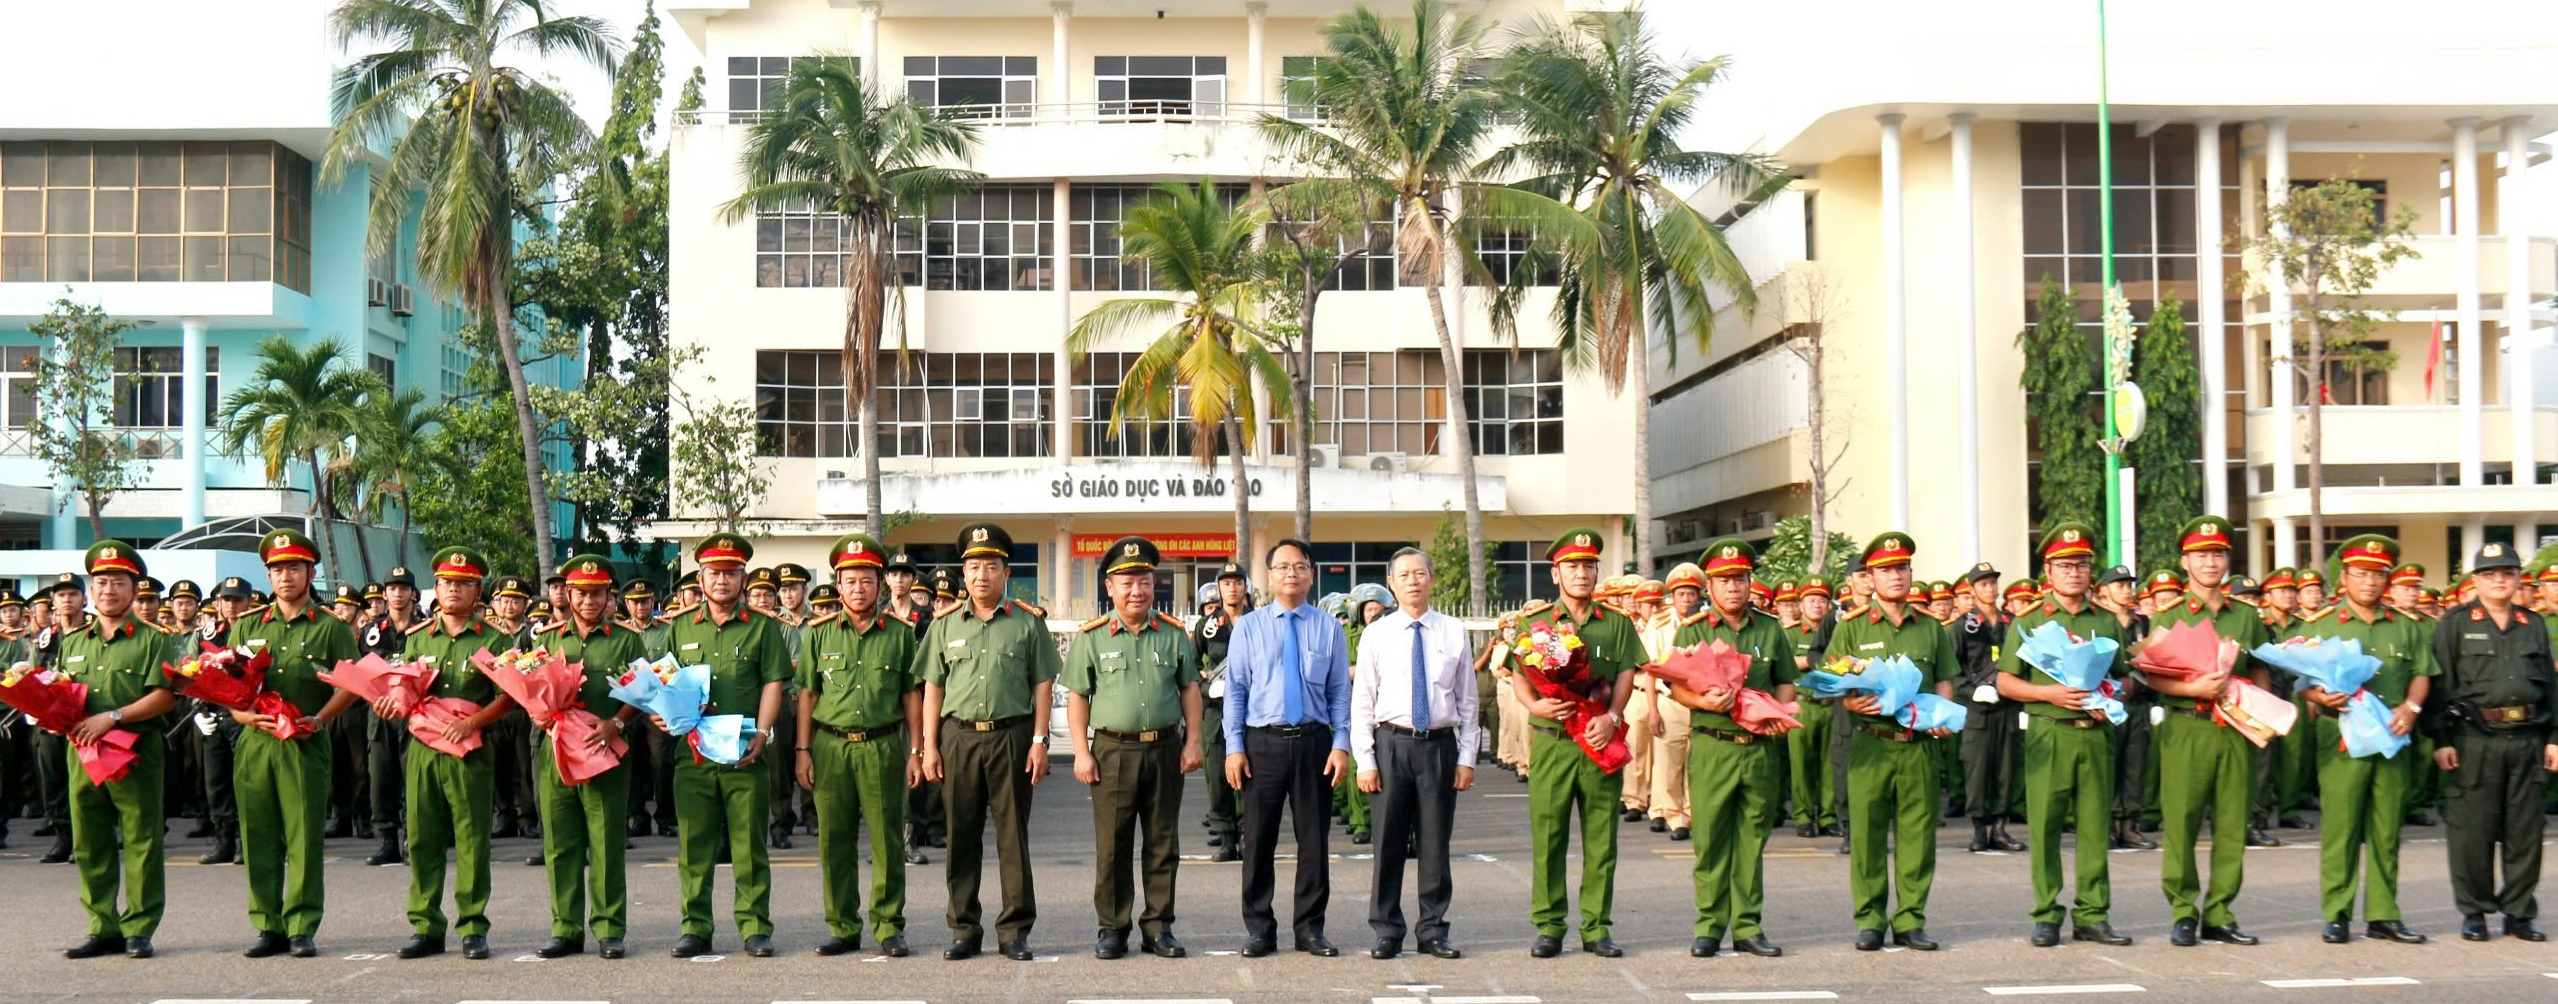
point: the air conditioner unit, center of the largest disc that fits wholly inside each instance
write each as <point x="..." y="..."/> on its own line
<point x="1324" y="455"/>
<point x="403" y="302"/>
<point x="1757" y="520"/>
<point x="376" y="292"/>
<point x="1390" y="463"/>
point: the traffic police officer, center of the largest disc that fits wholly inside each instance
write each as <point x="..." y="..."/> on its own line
<point x="859" y="749"/>
<point x="1567" y="782"/>
<point x="2069" y="750"/>
<point x="118" y="657"/>
<point x="582" y="824"/>
<point x="2207" y="767"/>
<point x="1132" y="679"/>
<point x="2362" y="800"/>
<point x="1216" y="629"/>
<point x="1892" y="783"/>
<point x="719" y="803"/>
<point x="2491" y="728"/>
<point x="1733" y="776"/>
<point x="282" y="785"/>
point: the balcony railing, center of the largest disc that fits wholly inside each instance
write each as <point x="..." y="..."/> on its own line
<point x="1062" y="113"/>
<point x="148" y="444"/>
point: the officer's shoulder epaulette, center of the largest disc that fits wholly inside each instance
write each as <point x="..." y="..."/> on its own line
<point x="2244" y="603"/>
<point x="252" y="612"/>
<point x="824" y="619"/>
<point x="419" y="626"/>
<point x="1093" y="623"/>
<point x="1695" y="618"/>
<point x="1612" y="606"/>
<point x="682" y="610"/>
<point x="1534" y="607"/>
<point x="556" y="627"/>
<point x="1030" y="608"/>
<point x="1167" y="620"/>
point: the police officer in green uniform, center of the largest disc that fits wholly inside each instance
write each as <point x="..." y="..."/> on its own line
<point x="282" y="785"/>
<point x="448" y="796"/>
<point x="2363" y="799"/>
<point x="1132" y="680"/>
<point x="2069" y="749"/>
<point x="582" y="828"/>
<point x="858" y="747"/>
<point x="387" y="751"/>
<point x="764" y="588"/>
<point x="119" y="823"/>
<point x="2205" y="767"/>
<point x="1566" y="782"/>
<point x="1892" y="781"/>
<point x="987" y="667"/>
<point x="1215" y="632"/>
<point x="2424" y="781"/>
<point x="1735" y="779"/>
<point x="2491" y="727"/>
<point x="1807" y="749"/>
<point x="910" y="602"/>
<point x="749" y="662"/>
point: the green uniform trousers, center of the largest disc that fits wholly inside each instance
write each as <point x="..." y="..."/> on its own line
<point x="2295" y="767"/>
<point x="282" y="789"/>
<point x="122" y="820"/>
<point x="861" y="785"/>
<point x="2362" y="803"/>
<point x="2207" y="769"/>
<point x="2069" y="780"/>
<point x="983" y="781"/>
<point x="1890" y="785"/>
<point x="1139" y="800"/>
<point x="712" y="803"/>
<point x="1225" y="811"/>
<point x="2492" y="816"/>
<point x="1732" y="791"/>
<point x="583" y="847"/>
<point x="1807" y="752"/>
<point x="1349" y="803"/>
<point x="448" y="812"/>
<point x="1565" y="784"/>
<point x="2424" y="780"/>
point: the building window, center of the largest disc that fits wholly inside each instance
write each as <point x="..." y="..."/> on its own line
<point x="801" y="247"/>
<point x="1503" y="251"/>
<point x="384" y="367"/>
<point x="1093" y="239"/>
<point x="150" y="385"/>
<point x="995" y="238"/>
<point x="2349" y="381"/>
<point x="198" y="211"/>
<point x="1373" y="270"/>
<point x="1160" y="87"/>
<point x="1368" y="403"/>
<point x="977" y="87"/>
<point x="1516" y="401"/>
<point x="1297" y="87"/>
<point x="1096" y="388"/>
<point x="931" y="404"/>
<point x="755" y="82"/>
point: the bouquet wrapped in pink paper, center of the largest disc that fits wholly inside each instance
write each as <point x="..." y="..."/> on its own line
<point x="2195" y="650"/>
<point x="433" y="714"/>
<point x="1556" y="664"/>
<point x="373" y="678"/>
<point x="110" y="759"/>
<point x="548" y="689"/>
<point x="579" y="763"/>
<point x="1716" y="665"/>
<point x="54" y="702"/>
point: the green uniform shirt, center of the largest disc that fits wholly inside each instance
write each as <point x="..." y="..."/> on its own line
<point x="1762" y="637"/>
<point x="455" y="674"/>
<point x="2491" y="667"/>
<point x="860" y="676"/>
<point x="603" y="653"/>
<point x="118" y="670"/>
<point x="2235" y="619"/>
<point x="986" y="666"/>
<point x="1923" y="639"/>
<point x="743" y="655"/>
<point x="299" y="649"/>
<point x="1609" y="636"/>
<point x="2403" y="643"/>
<point x="1133" y="678"/>
<point x="2090" y="622"/>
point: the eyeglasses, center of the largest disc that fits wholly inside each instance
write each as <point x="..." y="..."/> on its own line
<point x="1293" y="566"/>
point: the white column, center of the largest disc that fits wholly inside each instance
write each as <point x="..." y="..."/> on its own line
<point x="2286" y="544"/>
<point x="2466" y="301"/>
<point x="2514" y="199"/>
<point x="1061" y="603"/>
<point x="1061" y="263"/>
<point x="192" y="406"/>
<point x="871" y="74"/>
<point x="1896" y="347"/>
<point x="1060" y="76"/>
<point x="2473" y="535"/>
<point x="1256" y="16"/>
<point x="2211" y="342"/>
<point x="1967" y="377"/>
<point x="2280" y="375"/>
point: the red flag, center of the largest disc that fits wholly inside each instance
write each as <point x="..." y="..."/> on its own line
<point x="2433" y="358"/>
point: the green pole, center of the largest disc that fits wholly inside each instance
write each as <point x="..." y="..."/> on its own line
<point x="2105" y="237"/>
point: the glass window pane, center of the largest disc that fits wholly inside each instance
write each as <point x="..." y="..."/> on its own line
<point x="252" y="210"/>
<point x="249" y="259"/>
<point x="68" y="164"/>
<point x="2078" y="144"/>
<point x="2043" y="216"/>
<point x="113" y="259"/>
<point x="204" y="210"/>
<point x="203" y="261"/>
<point x="252" y="163"/>
<point x="66" y="210"/>
<point x="22" y="163"/>
<point x="112" y="212"/>
<point x="156" y="259"/>
<point x="972" y="66"/>
<point x="22" y="211"/>
<point x="156" y="211"/>
<point x="114" y="164"/>
<point x="159" y="164"/>
<point x="66" y="259"/>
<point x="22" y="259"/>
<point x="207" y="163"/>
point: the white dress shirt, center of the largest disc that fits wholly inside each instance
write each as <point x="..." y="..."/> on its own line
<point x="1381" y="687"/>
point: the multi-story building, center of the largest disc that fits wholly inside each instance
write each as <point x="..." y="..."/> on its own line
<point x="1080" y="108"/>
<point x="192" y="206"/>
<point x="1954" y="170"/>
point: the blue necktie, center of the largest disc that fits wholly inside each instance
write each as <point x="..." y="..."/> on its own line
<point x="1292" y="682"/>
<point x="1420" y="684"/>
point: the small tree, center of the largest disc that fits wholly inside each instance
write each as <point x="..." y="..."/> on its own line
<point x="72" y="377"/>
<point x="1313" y="238"/>
<point x="1790" y="552"/>
<point x="1818" y="301"/>
<point x="2328" y="244"/>
<point x="2171" y="486"/>
<point x="1449" y="559"/>
<point x="715" y="459"/>
<point x="2062" y="403"/>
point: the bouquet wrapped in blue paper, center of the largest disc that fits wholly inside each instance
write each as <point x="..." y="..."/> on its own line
<point x="1928" y="712"/>
<point x="2079" y="665"/>
<point x="1893" y="680"/>
<point x="674" y="693"/>
<point x="2340" y="666"/>
<point x="723" y="739"/>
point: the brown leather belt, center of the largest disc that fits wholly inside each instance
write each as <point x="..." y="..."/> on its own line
<point x="1148" y="736"/>
<point x="2510" y="715"/>
<point x="1743" y="738"/>
<point x="857" y="735"/>
<point x="2072" y="723"/>
<point x="1404" y="730"/>
<point x="967" y="725"/>
<point x="1895" y="735"/>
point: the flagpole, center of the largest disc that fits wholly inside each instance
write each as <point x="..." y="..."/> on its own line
<point x="2116" y="514"/>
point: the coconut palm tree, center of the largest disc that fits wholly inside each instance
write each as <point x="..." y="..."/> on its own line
<point x="299" y="406"/>
<point x="478" y="138"/>
<point x="834" y="144"/>
<point x="1200" y="250"/>
<point x="1406" y="120"/>
<point x="1600" y="113"/>
<point x="392" y="433"/>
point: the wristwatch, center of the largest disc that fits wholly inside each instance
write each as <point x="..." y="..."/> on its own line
<point x="1040" y="739"/>
<point x="115" y="715"/>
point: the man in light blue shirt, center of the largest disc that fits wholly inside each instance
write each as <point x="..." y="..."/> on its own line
<point x="1288" y="741"/>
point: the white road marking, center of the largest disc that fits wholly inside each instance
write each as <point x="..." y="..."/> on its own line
<point x="1456" y="1000"/>
<point x="1767" y="995"/>
<point x="532" y="1002"/>
<point x="1150" y="1000"/>
<point x="2364" y="981"/>
<point x="848" y="1002"/>
<point x="232" y="1000"/>
<point x="2066" y="988"/>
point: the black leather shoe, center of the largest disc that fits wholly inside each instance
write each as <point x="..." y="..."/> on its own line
<point x="338" y="830"/>
<point x="1163" y="946"/>
<point x="1317" y="947"/>
<point x="1834" y="830"/>
<point x="1257" y="949"/>
<point x="388" y="853"/>
<point x="1228" y="852"/>
<point x="532" y="861"/>
<point x="1759" y="945"/>
<point x="1386" y="948"/>
<point x="1546" y="946"/>
<point x="1915" y="939"/>
<point x="2228" y="934"/>
<point x="960" y="950"/>
<point x="2101" y="932"/>
<point x="2182" y="935"/>
<point x="1109" y="944"/>
<point x="1630" y="816"/>
<point x="203" y="828"/>
<point x="2336" y="932"/>
<point x="1869" y="940"/>
<point x="2473" y="927"/>
<point x="915" y="855"/>
<point x="267" y="944"/>
<point x="1705" y="948"/>
<point x="1439" y="948"/>
<point x="138" y="947"/>
<point x="561" y="948"/>
<point x="96" y="946"/>
<point x="1844" y="849"/>
<point x="2293" y="822"/>
<point x="1807" y="831"/>
<point x="61" y="851"/>
<point x="2516" y="927"/>
<point x="1660" y="825"/>
<point x="609" y="948"/>
<point x="665" y="829"/>
<point x="1605" y="948"/>
<point x="1980" y="836"/>
<point x="894" y="946"/>
<point x="838" y="946"/>
<point x="2001" y="840"/>
<point x="2391" y="930"/>
<point x="300" y="947"/>
<point x="421" y="946"/>
<point x="1361" y="837"/>
<point x="226" y="851"/>
<point x="689" y="946"/>
<point x="2046" y="935"/>
<point x="1679" y="833"/>
<point x="2257" y="837"/>
<point x="637" y="828"/>
<point x="505" y="829"/>
<point x="475" y="947"/>
<point x="1017" y="950"/>
<point x="759" y="946"/>
<point x="780" y="841"/>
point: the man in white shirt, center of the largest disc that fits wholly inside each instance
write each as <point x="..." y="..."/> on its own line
<point x="1413" y="731"/>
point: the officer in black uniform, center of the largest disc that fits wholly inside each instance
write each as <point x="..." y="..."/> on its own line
<point x="1216" y="629"/>
<point x="388" y="741"/>
<point x="1990" y="744"/>
<point x="2490" y="720"/>
<point x="231" y="600"/>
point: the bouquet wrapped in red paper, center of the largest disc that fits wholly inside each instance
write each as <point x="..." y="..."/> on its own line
<point x="54" y="702"/>
<point x="548" y="689"/>
<point x="1716" y="665"/>
<point x="373" y="678"/>
<point x="235" y="678"/>
<point x="1551" y="655"/>
<point x="2194" y="650"/>
<point x="431" y="717"/>
<point x="110" y="759"/>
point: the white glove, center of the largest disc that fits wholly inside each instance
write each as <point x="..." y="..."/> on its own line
<point x="2157" y="714"/>
<point x="1986" y="693"/>
<point x="205" y="722"/>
